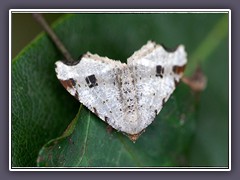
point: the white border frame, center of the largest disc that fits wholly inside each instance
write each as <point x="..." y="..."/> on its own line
<point x="121" y="11"/>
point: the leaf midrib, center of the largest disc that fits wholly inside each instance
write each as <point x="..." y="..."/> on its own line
<point x="85" y="140"/>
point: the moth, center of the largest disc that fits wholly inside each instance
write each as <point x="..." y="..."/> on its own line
<point x="126" y="96"/>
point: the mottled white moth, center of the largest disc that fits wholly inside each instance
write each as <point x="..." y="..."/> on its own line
<point x="126" y="96"/>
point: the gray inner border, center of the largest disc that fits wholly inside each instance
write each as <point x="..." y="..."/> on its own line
<point x="219" y="4"/>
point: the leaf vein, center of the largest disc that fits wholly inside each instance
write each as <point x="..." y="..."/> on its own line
<point x="85" y="140"/>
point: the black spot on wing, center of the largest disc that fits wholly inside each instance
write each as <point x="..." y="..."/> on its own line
<point x="163" y="101"/>
<point x="159" y="71"/>
<point x="91" y="81"/>
<point x="76" y="95"/>
<point x="95" y="111"/>
<point x="106" y="119"/>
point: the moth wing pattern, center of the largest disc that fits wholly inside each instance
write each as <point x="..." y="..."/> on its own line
<point x="156" y="73"/>
<point x="93" y="82"/>
<point x="126" y="96"/>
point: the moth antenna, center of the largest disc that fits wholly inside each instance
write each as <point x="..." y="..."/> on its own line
<point x="40" y="19"/>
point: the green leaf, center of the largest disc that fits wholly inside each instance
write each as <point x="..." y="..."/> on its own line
<point x="90" y="144"/>
<point x="209" y="44"/>
<point x="42" y="109"/>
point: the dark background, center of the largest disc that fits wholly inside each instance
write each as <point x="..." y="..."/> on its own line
<point x="25" y="29"/>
